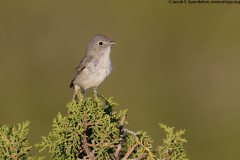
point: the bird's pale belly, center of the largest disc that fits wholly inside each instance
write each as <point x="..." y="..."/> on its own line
<point x="91" y="77"/>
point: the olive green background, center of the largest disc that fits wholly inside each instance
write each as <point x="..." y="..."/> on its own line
<point x="173" y="63"/>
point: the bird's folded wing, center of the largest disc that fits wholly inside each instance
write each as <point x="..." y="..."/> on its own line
<point x="80" y="68"/>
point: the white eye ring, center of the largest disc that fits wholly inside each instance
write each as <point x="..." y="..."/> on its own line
<point x="100" y="43"/>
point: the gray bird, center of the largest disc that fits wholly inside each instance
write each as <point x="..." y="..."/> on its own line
<point x="94" y="67"/>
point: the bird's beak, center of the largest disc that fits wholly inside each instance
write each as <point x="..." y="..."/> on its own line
<point x="112" y="42"/>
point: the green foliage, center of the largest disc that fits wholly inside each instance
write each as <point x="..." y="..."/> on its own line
<point x="91" y="130"/>
<point x="14" y="143"/>
<point x="172" y="148"/>
<point x="141" y="144"/>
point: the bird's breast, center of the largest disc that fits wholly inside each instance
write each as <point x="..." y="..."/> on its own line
<point x="104" y="62"/>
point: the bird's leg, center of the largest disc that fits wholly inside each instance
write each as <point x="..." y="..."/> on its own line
<point x="83" y="91"/>
<point x="76" y="89"/>
<point x="95" y="91"/>
<point x="99" y="96"/>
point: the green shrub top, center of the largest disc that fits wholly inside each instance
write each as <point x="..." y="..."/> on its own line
<point x="91" y="130"/>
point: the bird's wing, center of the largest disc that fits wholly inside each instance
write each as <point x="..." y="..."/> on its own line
<point x="80" y="68"/>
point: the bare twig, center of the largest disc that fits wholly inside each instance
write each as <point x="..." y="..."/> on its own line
<point x="141" y="156"/>
<point x="131" y="132"/>
<point x="112" y="157"/>
<point x="121" y="133"/>
<point x="89" y="153"/>
<point x="130" y="151"/>
<point x="138" y="142"/>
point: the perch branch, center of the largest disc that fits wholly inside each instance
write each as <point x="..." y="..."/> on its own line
<point x="130" y="151"/>
<point x="89" y="152"/>
<point x="121" y="133"/>
<point x="141" y="157"/>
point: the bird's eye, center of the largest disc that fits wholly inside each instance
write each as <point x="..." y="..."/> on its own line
<point x="100" y="43"/>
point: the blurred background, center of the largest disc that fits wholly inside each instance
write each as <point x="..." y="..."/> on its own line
<point x="173" y="63"/>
